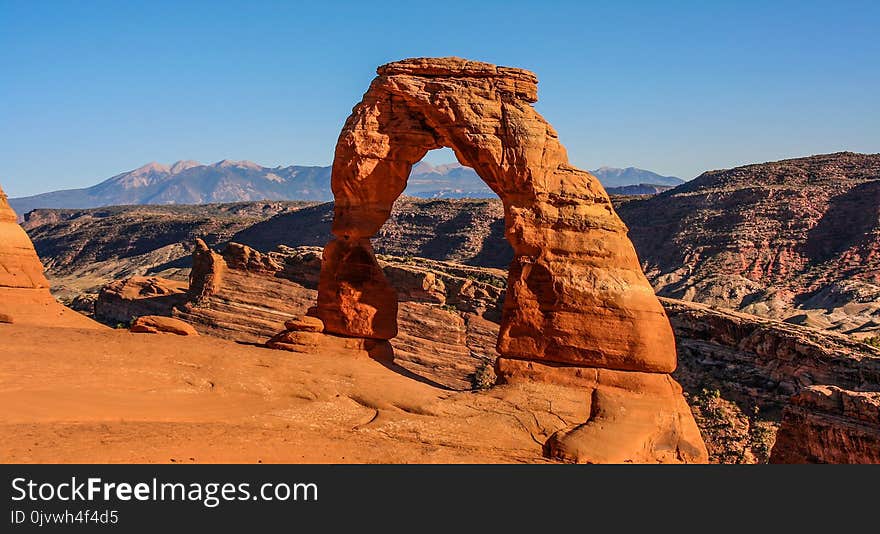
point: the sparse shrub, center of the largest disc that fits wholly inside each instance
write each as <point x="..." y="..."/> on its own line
<point x="872" y="341"/>
<point x="484" y="376"/>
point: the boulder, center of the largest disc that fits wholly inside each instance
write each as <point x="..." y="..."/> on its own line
<point x="155" y="324"/>
<point x="305" y="323"/>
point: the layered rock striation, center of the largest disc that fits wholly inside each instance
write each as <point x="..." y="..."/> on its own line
<point x="827" y="424"/>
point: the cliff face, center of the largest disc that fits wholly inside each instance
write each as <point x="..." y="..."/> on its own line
<point x="797" y="240"/>
<point x="827" y="424"/>
<point x="744" y="374"/>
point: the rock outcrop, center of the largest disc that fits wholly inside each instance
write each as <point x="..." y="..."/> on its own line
<point x="827" y="424"/>
<point x="24" y="290"/>
<point x="125" y="300"/>
<point x="766" y="361"/>
<point x="448" y="321"/>
<point x="84" y="250"/>
<point x="19" y="265"/>
<point x="577" y="300"/>
<point x="206" y="276"/>
<point x="738" y="371"/>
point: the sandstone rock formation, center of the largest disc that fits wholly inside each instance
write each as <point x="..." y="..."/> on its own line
<point x="24" y="290"/>
<point x="84" y="250"/>
<point x="447" y="333"/>
<point x="124" y="300"/>
<point x="827" y="424"/>
<point x="19" y="264"/>
<point x="576" y="301"/>
<point x="738" y="370"/>
<point x="305" y="323"/>
<point x="155" y="324"/>
<point x="206" y="276"/>
<point x="763" y="360"/>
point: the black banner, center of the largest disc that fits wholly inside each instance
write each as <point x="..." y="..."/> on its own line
<point x="135" y="498"/>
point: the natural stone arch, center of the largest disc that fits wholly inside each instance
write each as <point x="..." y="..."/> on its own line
<point x="576" y="292"/>
<point x="579" y="312"/>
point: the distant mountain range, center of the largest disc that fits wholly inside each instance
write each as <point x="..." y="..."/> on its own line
<point x="615" y="177"/>
<point x="190" y="182"/>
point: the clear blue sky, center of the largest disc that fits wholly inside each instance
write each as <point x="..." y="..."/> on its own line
<point x="90" y="89"/>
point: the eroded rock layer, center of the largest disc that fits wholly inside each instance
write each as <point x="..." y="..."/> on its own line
<point x="827" y="424"/>
<point x="448" y="313"/>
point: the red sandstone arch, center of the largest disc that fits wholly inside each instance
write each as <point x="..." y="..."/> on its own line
<point x="578" y="312"/>
<point x="576" y="292"/>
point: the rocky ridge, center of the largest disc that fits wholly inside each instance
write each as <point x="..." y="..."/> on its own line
<point x="797" y="240"/>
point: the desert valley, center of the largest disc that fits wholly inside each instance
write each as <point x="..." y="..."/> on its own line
<point x="189" y="316"/>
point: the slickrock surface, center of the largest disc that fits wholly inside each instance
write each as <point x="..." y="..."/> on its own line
<point x="827" y="424"/>
<point x="173" y="399"/>
<point x="738" y="370"/>
<point x="797" y="240"/>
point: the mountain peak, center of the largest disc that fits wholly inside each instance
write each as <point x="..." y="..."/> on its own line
<point x="625" y="176"/>
<point x="183" y="165"/>
<point x="151" y="167"/>
<point x="227" y="163"/>
<point x="422" y="167"/>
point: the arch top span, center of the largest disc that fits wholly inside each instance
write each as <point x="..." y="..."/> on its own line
<point x="576" y="293"/>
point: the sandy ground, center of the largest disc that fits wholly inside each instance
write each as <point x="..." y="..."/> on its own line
<point x="92" y="395"/>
